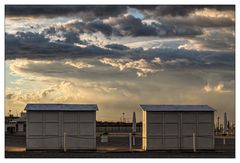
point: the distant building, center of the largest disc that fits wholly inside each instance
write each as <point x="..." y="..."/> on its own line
<point x="15" y="124"/>
<point x="47" y="123"/>
<point x="10" y="124"/>
<point x="11" y="127"/>
<point x="166" y="127"/>
<point x="21" y="123"/>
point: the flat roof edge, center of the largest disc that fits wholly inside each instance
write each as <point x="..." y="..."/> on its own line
<point x="180" y="108"/>
<point x="61" y="107"/>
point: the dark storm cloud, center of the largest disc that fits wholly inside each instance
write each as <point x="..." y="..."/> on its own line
<point x="215" y="40"/>
<point x="122" y="26"/>
<point x="98" y="25"/>
<point x="128" y="25"/>
<point x="79" y="27"/>
<point x="117" y="47"/>
<point x="198" y="21"/>
<point x="106" y="10"/>
<point x="70" y="36"/>
<point x="36" y="46"/>
<point x="64" y="10"/>
<point x="132" y="26"/>
<point x="180" y="10"/>
<point x="181" y="30"/>
<point x="188" y="59"/>
<point x="219" y="59"/>
<point x="217" y="44"/>
<point x="23" y="43"/>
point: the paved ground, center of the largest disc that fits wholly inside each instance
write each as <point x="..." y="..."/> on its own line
<point x="117" y="147"/>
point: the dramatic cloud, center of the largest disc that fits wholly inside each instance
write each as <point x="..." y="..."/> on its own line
<point x="104" y="11"/>
<point x="34" y="68"/>
<point x="80" y="27"/>
<point x="156" y="54"/>
<point x="78" y="64"/>
<point x="219" y="88"/>
<point x="64" y="10"/>
<point x="98" y="25"/>
<point x="33" y="46"/>
<point x="156" y="60"/>
<point x="198" y="21"/>
<point x="191" y="59"/>
<point x="132" y="26"/>
<point x="117" y="47"/>
<point x="142" y="66"/>
<point x="58" y="92"/>
<point x="180" y="10"/>
<point x="36" y="46"/>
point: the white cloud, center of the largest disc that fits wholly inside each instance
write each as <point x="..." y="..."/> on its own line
<point x="150" y="21"/>
<point x="141" y="66"/>
<point x="213" y="13"/>
<point x="78" y="64"/>
<point x="176" y="61"/>
<point x="207" y="88"/>
<point x="219" y="88"/>
<point x="57" y="92"/>
<point x="135" y="12"/>
<point x="157" y="60"/>
<point x="140" y="74"/>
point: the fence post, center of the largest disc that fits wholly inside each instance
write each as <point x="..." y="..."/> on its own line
<point x="64" y="142"/>
<point x="133" y="136"/>
<point x="130" y="141"/>
<point x="194" y="142"/>
<point x="224" y="140"/>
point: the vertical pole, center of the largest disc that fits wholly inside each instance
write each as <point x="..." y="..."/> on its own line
<point x="64" y="142"/>
<point x="224" y="140"/>
<point x="194" y="142"/>
<point x="130" y="141"/>
<point x="133" y="140"/>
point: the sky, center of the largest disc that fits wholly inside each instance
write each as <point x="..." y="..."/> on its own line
<point x="120" y="56"/>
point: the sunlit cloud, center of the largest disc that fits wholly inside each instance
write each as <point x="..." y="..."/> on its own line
<point x="213" y="40"/>
<point x="219" y="88"/>
<point x="207" y="88"/>
<point x="78" y="64"/>
<point x="110" y="54"/>
<point x="215" y="14"/>
<point x="55" y="93"/>
<point x="156" y="60"/>
<point x="142" y="66"/>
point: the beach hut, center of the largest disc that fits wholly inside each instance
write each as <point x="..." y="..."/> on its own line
<point x="171" y="127"/>
<point x="61" y="126"/>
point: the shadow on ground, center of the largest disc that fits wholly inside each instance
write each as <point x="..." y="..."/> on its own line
<point x="117" y="147"/>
